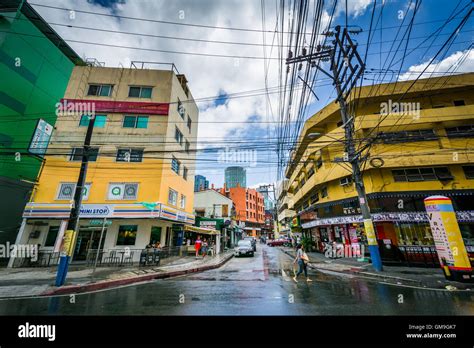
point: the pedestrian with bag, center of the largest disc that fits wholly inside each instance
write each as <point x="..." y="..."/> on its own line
<point x="302" y="259"/>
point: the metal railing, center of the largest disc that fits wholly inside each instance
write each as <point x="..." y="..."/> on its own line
<point x="419" y="255"/>
<point x="107" y="257"/>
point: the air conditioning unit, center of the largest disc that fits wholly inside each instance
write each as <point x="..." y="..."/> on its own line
<point x="345" y="181"/>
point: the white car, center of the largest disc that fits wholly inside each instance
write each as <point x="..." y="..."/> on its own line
<point x="244" y="247"/>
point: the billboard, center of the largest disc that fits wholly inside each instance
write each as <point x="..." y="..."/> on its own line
<point x="40" y="140"/>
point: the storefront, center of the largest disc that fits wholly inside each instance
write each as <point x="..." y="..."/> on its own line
<point x="110" y="226"/>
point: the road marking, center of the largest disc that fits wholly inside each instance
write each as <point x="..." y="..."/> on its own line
<point x="285" y="276"/>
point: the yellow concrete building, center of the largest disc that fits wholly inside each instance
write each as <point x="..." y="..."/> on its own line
<point x="422" y="145"/>
<point x="141" y="172"/>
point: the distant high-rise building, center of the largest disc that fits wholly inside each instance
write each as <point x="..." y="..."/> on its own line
<point x="200" y="183"/>
<point x="235" y="176"/>
<point x="269" y="205"/>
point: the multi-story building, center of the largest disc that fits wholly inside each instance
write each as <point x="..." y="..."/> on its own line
<point x="235" y="177"/>
<point x="140" y="175"/>
<point x="269" y="205"/>
<point x="420" y="148"/>
<point x="249" y="208"/>
<point x="35" y="66"/>
<point x="214" y="210"/>
<point x="284" y="209"/>
<point x="200" y="183"/>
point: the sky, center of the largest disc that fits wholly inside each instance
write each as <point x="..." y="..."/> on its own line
<point x="242" y="128"/>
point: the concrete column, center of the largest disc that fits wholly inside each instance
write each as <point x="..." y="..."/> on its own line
<point x="18" y="240"/>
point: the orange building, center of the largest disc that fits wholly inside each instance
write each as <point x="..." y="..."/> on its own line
<point x="249" y="208"/>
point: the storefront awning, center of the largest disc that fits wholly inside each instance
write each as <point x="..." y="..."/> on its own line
<point x="201" y="230"/>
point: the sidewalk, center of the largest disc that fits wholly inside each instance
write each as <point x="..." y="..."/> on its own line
<point x="432" y="278"/>
<point x="28" y="282"/>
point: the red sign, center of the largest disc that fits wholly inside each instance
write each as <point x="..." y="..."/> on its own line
<point x="110" y="106"/>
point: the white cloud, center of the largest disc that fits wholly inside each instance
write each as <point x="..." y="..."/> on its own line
<point x="449" y="64"/>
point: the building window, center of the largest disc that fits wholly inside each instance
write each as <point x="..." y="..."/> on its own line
<point x="175" y="164"/>
<point x="310" y="172"/>
<point x="172" y="197"/>
<point x="139" y="92"/>
<point x="155" y="235"/>
<point x="189" y="123"/>
<point x="123" y="191"/>
<point x="324" y="192"/>
<point x="187" y="145"/>
<point x="459" y="102"/>
<point x="76" y="154"/>
<point x="185" y="173"/>
<point x="421" y="174"/>
<point x="319" y="163"/>
<point x="181" y="109"/>
<point x="468" y="171"/>
<point x="135" y="122"/>
<point x="129" y="155"/>
<point x="460" y="132"/>
<point x="183" y="202"/>
<point x="100" y="121"/>
<point x="178" y="136"/>
<point x="67" y="189"/>
<point x="51" y="237"/>
<point x="314" y="198"/>
<point x="407" y="136"/>
<point x="100" y="90"/>
<point x="127" y="235"/>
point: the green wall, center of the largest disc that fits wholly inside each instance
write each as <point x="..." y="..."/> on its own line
<point x="27" y="92"/>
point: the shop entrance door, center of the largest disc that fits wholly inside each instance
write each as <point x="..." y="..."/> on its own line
<point x="88" y="238"/>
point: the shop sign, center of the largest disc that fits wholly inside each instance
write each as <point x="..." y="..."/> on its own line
<point x="100" y="223"/>
<point x="208" y="224"/>
<point x="96" y="210"/>
<point x="446" y="233"/>
<point x="40" y="140"/>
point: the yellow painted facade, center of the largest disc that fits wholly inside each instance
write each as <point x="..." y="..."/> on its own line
<point x="444" y="103"/>
<point x="153" y="175"/>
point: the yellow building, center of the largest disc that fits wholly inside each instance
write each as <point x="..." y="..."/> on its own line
<point x="141" y="172"/>
<point x="421" y="145"/>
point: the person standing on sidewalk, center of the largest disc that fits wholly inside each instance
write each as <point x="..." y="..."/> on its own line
<point x="197" y="245"/>
<point x="302" y="259"/>
<point x="204" y="248"/>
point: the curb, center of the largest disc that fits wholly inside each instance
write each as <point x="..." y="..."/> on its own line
<point x="107" y="284"/>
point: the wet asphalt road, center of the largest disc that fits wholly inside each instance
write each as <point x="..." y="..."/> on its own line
<point x="252" y="286"/>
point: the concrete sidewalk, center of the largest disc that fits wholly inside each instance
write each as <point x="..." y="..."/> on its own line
<point x="432" y="278"/>
<point x="28" y="282"/>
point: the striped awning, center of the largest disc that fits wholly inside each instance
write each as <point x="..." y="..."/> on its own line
<point x="201" y="230"/>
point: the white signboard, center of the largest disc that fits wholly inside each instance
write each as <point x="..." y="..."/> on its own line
<point x="208" y="224"/>
<point x="96" y="210"/>
<point x="39" y="142"/>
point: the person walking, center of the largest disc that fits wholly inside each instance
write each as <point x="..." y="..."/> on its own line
<point x="302" y="259"/>
<point x="197" y="245"/>
<point x="204" y="248"/>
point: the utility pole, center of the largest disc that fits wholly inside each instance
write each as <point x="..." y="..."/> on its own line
<point x="345" y="75"/>
<point x="70" y="235"/>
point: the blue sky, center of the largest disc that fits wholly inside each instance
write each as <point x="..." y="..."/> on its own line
<point x="239" y="122"/>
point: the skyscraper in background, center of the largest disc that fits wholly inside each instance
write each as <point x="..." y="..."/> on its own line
<point x="235" y="176"/>
<point x="269" y="204"/>
<point x="200" y="183"/>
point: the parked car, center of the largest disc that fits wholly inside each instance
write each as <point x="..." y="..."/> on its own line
<point x="277" y="242"/>
<point x="244" y="247"/>
<point x="253" y="241"/>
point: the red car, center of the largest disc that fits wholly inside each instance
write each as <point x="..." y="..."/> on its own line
<point x="277" y="242"/>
